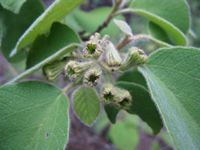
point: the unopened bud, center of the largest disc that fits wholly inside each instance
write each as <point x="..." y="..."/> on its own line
<point x="135" y="56"/>
<point x="118" y="97"/>
<point x="53" y="70"/>
<point x="93" y="47"/>
<point x="92" y="76"/>
<point x="75" y="69"/>
<point x="111" y="59"/>
<point x="108" y="93"/>
<point x="122" y="98"/>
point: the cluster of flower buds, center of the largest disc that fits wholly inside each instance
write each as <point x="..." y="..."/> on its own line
<point x="53" y="70"/>
<point x="120" y="98"/>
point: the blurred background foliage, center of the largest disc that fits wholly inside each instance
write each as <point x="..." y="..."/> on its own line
<point x="129" y="133"/>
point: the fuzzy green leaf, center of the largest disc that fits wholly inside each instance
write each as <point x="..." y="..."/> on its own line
<point x="86" y="105"/>
<point x="173" y="79"/>
<point x="34" y="115"/>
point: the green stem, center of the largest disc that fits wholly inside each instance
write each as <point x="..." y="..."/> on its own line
<point x="68" y="87"/>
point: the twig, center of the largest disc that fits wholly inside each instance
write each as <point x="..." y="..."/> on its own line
<point x="107" y="20"/>
<point x="138" y="37"/>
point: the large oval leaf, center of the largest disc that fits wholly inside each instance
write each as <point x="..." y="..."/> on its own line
<point x="173" y="77"/>
<point x="33" y="115"/>
<point x="42" y="24"/>
<point x="171" y="15"/>
<point x="86" y="105"/>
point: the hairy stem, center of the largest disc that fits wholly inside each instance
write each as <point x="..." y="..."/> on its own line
<point x="139" y="37"/>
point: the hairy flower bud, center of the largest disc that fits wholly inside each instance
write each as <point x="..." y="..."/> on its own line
<point x="75" y="69"/>
<point x="135" y="56"/>
<point x="53" y="70"/>
<point x="111" y="59"/>
<point x="93" y="47"/>
<point x="108" y="93"/>
<point x="92" y="76"/>
<point x="120" y="98"/>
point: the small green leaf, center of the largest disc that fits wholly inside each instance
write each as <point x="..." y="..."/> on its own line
<point x="90" y="21"/>
<point x="142" y="105"/>
<point x="34" y="115"/>
<point x="86" y="105"/>
<point x="45" y="46"/>
<point x="14" y="25"/>
<point x="12" y="5"/>
<point x="173" y="78"/>
<point x="171" y="15"/>
<point x="42" y="24"/>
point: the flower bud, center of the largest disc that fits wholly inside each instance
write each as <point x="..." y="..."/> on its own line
<point x="135" y="56"/>
<point x="93" y="47"/>
<point x="53" y="70"/>
<point x="108" y="93"/>
<point x="118" y="97"/>
<point x="122" y="98"/>
<point x="92" y="76"/>
<point x="111" y="59"/>
<point x="75" y="69"/>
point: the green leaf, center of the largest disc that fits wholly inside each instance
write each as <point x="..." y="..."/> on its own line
<point x="90" y="21"/>
<point x="14" y="25"/>
<point x="45" y="46"/>
<point x="142" y="105"/>
<point x="86" y="105"/>
<point x="173" y="78"/>
<point x="42" y="24"/>
<point x="124" y="134"/>
<point x="34" y="115"/>
<point x="12" y="5"/>
<point x="171" y="15"/>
